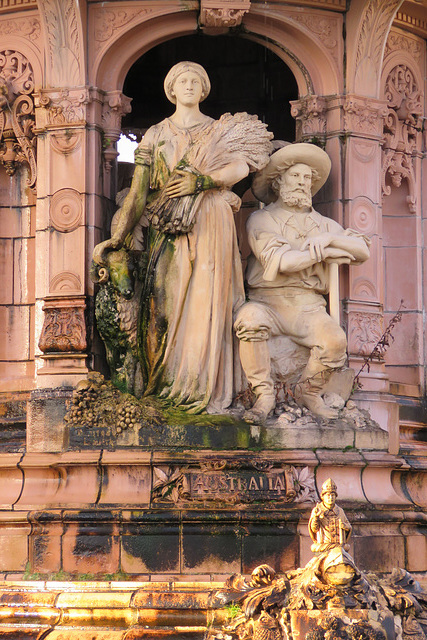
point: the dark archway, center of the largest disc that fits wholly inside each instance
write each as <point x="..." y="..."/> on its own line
<point x="245" y="76"/>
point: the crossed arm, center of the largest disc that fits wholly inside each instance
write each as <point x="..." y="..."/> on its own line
<point x="326" y="247"/>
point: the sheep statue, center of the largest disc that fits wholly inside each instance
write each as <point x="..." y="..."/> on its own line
<point x="116" y="310"/>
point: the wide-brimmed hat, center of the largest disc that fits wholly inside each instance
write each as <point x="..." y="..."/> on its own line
<point x="299" y="152"/>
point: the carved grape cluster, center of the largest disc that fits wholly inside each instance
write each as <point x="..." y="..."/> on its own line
<point x="127" y="417"/>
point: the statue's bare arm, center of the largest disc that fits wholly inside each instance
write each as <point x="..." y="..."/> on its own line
<point x="131" y="211"/>
<point x="297" y="260"/>
<point x="355" y="246"/>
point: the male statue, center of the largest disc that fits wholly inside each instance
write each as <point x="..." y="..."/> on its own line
<point x="328" y="525"/>
<point x="288" y="275"/>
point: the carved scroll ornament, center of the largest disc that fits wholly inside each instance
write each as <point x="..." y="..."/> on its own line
<point x="401" y="130"/>
<point x="17" y="140"/>
<point x="223" y="13"/>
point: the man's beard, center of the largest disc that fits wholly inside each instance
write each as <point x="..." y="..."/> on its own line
<point x="295" y="198"/>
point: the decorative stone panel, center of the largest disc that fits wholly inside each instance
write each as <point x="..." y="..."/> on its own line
<point x="17" y="141"/>
<point x="64" y="328"/>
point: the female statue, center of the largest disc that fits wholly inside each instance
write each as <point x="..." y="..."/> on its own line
<point x="185" y="167"/>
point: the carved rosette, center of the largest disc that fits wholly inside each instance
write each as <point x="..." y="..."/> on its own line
<point x="402" y="131"/>
<point x="310" y="114"/>
<point x="223" y="13"/>
<point x="17" y="119"/>
<point x="64" y="327"/>
<point x="115" y="106"/>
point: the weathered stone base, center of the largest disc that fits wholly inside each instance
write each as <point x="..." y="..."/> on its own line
<point x="166" y="515"/>
<point x="106" y="610"/>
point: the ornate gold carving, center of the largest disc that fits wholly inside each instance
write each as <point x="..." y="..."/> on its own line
<point x="328" y="599"/>
<point x="402" y="129"/>
<point x="17" y="141"/>
<point x="365" y="330"/>
<point x="65" y="51"/>
<point x="310" y="114"/>
<point x="64" y="328"/>
<point x="65" y="106"/>
<point x="27" y="27"/>
<point x="224" y="482"/>
<point x="65" y="282"/>
<point x="400" y="42"/>
<point x="223" y="13"/>
<point x="66" y="210"/>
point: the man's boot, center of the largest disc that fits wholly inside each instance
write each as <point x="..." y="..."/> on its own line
<point x="255" y="359"/>
<point x="308" y="391"/>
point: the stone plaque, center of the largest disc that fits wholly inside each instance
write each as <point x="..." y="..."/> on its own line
<point x="244" y="486"/>
<point x="232" y="483"/>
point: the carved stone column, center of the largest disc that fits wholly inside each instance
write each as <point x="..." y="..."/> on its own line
<point x="67" y="202"/>
<point x="115" y="106"/>
<point x="351" y="129"/>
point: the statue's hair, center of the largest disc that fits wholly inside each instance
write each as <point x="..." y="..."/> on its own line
<point x="275" y="183"/>
<point x="182" y="67"/>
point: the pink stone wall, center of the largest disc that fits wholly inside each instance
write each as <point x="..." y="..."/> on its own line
<point x="17" y="277"/>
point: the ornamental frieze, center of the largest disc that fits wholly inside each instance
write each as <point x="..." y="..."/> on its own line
<point x="232" y="483"/>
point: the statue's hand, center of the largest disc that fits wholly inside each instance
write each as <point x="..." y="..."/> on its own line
<point x="184" y="184"/>
<point x="317" y="245"/>
<point x="101" y="250"/>
<point x="339" y="256"/>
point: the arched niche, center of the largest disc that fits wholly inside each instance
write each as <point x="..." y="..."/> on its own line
<point x="312" y="66"/>
<point x="245" y="76"/>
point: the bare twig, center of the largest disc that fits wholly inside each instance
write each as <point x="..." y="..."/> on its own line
<point x="380" y="347"/>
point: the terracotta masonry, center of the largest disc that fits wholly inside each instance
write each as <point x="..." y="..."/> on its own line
<point x="191" y="515"/>
<point x="180" y="507"/>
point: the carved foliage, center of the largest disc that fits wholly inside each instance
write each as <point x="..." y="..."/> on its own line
<point x="373" y="29"/>
<point x="400" y="42"/>
<point x="365" y="330"/>
<point x="223" y="13"/>
<point x="62" y="23"/>
<point x="17" y="141"/>
<point x="363" y="115"/>
<point x="64" y="328"/>
<point x="28" y="28"/>
<point x="65" y="106"/>
<point x="325" y="28"/>
<point x="401" y="130"/>
<point x="232" y="483"/>
<point x="310" y="114"/>
<point x="108" y="21"/>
